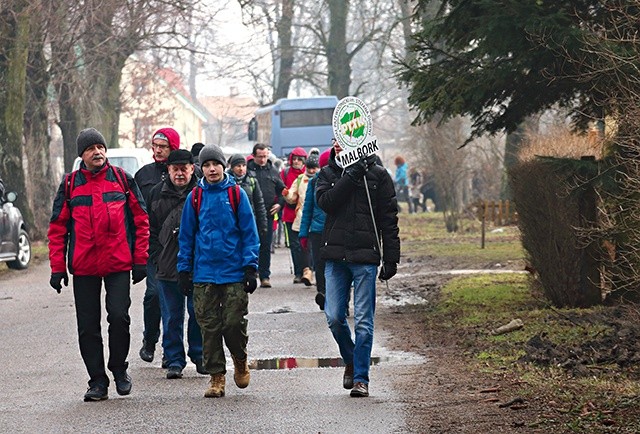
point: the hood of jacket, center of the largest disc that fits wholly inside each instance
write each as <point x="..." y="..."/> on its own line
<point x="297" y="152"/>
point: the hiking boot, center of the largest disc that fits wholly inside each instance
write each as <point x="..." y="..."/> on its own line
<point x="307" y="276"/>
<point x="165" y="362"/>
<point x="297" y="279"/>
<point x="241" y="373"/>
<point x="123" y="383"/>
<point x="320" y="300"/>
<point x="200" y="367"/>
<point x="174" y="372"/>
<point x="216" y="386"/>
<point x="265" y="283"/>
<point x="360" y="390"/>
<point x="96" y="393"/>
<point x="347" y="379"/>
<point x="147" y="350"/>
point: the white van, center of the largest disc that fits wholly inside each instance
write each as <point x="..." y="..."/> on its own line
<point x="130" y="159"/>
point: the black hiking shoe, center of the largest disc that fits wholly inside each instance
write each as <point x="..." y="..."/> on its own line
<point x="146" y="352"/>
<point x="174" y="372"/>
<point x="123" y="383"/>
<point x="96" y="393"/>
<point x="347" y="379"/>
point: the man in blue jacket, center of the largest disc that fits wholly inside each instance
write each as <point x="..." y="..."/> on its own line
<point x="217" y="260"/>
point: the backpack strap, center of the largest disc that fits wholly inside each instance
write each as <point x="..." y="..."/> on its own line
<point x="196" y="200"/>
<point x="121" y="177"/>
<point x="234" y="198"/>
<point x="69" y="183"/>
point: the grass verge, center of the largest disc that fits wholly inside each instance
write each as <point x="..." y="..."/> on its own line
<point x="578" y="368"/>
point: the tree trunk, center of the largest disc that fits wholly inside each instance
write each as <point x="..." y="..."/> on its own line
<point x="337" y="56"/>
<point x="36" y="136"/>
<point x="14" y="40"/>
<point x="283" y="80"/>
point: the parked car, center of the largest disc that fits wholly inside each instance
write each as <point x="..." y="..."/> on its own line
<point x="130" y="159"/>
<point x="15" y="246"/>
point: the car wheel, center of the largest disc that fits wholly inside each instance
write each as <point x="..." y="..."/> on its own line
<point x="23" y="255"/>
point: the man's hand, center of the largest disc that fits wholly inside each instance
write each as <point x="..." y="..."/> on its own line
<point x="304" y="243"/>
<point x="185" y="282"/>
<point x="250" y="280"/>
<point x="138" y="273"/>
<point x="274" y="209"/>
<point x="358" y="169"/>
<point x="56" y="280"/>
<point x="388" y="270"/>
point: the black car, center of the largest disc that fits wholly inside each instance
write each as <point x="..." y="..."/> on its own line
<point x="15" y="247"/>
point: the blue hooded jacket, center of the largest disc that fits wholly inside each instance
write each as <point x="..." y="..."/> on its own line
<point x="217" y="245"/>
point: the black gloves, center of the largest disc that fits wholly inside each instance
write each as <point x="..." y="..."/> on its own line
<point x="185" y="283"/>
<point x="388" y="270"/>
<point x="358" y="169"/>
<point x="250" y="280"/>
<point x="56" y="280"/>
<point x="138" y="273"/>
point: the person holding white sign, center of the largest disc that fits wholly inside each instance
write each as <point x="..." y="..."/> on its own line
<point x="361" y="229"/>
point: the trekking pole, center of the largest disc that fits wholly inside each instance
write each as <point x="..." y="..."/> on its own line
<point x="287" y="245"/>
<point x="375" y="227"/>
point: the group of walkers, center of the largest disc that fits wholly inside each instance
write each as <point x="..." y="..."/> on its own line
<point x="201" y="235"/>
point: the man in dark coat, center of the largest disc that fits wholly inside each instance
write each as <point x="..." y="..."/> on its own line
<point x="360" y="230"/>
<point x="148" y="176"/>
<point x="271" y="186"/>
<point x="166" y="201"/>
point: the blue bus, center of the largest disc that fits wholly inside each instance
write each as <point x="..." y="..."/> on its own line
<point x="293" y="122"/>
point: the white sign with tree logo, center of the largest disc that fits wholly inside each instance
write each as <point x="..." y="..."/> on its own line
<point x="353" y="129"/>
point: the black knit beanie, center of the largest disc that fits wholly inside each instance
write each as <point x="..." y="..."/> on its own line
<point x="89" y="137"/>
<point x="212" y="152"/>
<point x="236" y="159"/>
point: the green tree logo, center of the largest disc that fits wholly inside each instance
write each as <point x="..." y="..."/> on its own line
<point x="352" y="124"/>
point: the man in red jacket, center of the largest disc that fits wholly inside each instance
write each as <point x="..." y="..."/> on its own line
<point x="99" y="220"/>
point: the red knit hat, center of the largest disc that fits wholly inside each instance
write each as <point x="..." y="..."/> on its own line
<point x="324" y="158"/>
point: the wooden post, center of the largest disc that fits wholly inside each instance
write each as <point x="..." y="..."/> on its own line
<point x="484" y="219"/>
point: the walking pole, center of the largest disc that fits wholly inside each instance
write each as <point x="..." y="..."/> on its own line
<point x="375" y="227"/>
<point x="287" y="245"/>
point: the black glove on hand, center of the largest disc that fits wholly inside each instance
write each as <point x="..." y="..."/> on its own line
<point x="388" y="270"/>
<point x="56" y="280"/>
<point x="185" y="283"/>
<point x="138" y="273"/>
<point x="358" y="169"/>
<point x="250" y="280"/>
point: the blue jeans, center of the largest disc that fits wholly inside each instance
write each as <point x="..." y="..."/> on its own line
<point x="339" y="275"/>
<point x="172" y="307"/>
<point x="151" y="307"/>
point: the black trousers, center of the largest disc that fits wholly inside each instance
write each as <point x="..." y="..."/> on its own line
<point x="86" y="292"/>
<point x="318" y="262"/>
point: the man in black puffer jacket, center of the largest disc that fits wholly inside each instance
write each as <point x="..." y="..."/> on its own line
<point x="271" y="187"/>
<point x="166" y="201"/>
<point x="351" y="248"/>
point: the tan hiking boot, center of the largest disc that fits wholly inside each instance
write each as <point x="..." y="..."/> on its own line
<point x="216" y="387"/>
<point x="307" y="276"/>
<point x="241" y="373"/>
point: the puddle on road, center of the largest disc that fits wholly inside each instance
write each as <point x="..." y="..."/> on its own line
<point x="305" y="362"/>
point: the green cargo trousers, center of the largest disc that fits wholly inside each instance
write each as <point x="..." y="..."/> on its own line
<point x="220" y="312"/>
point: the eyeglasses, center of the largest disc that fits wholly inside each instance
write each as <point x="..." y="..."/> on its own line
<point x="161" y="147"/>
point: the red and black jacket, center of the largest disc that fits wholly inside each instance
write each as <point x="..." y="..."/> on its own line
<point x="100" y="224"/>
